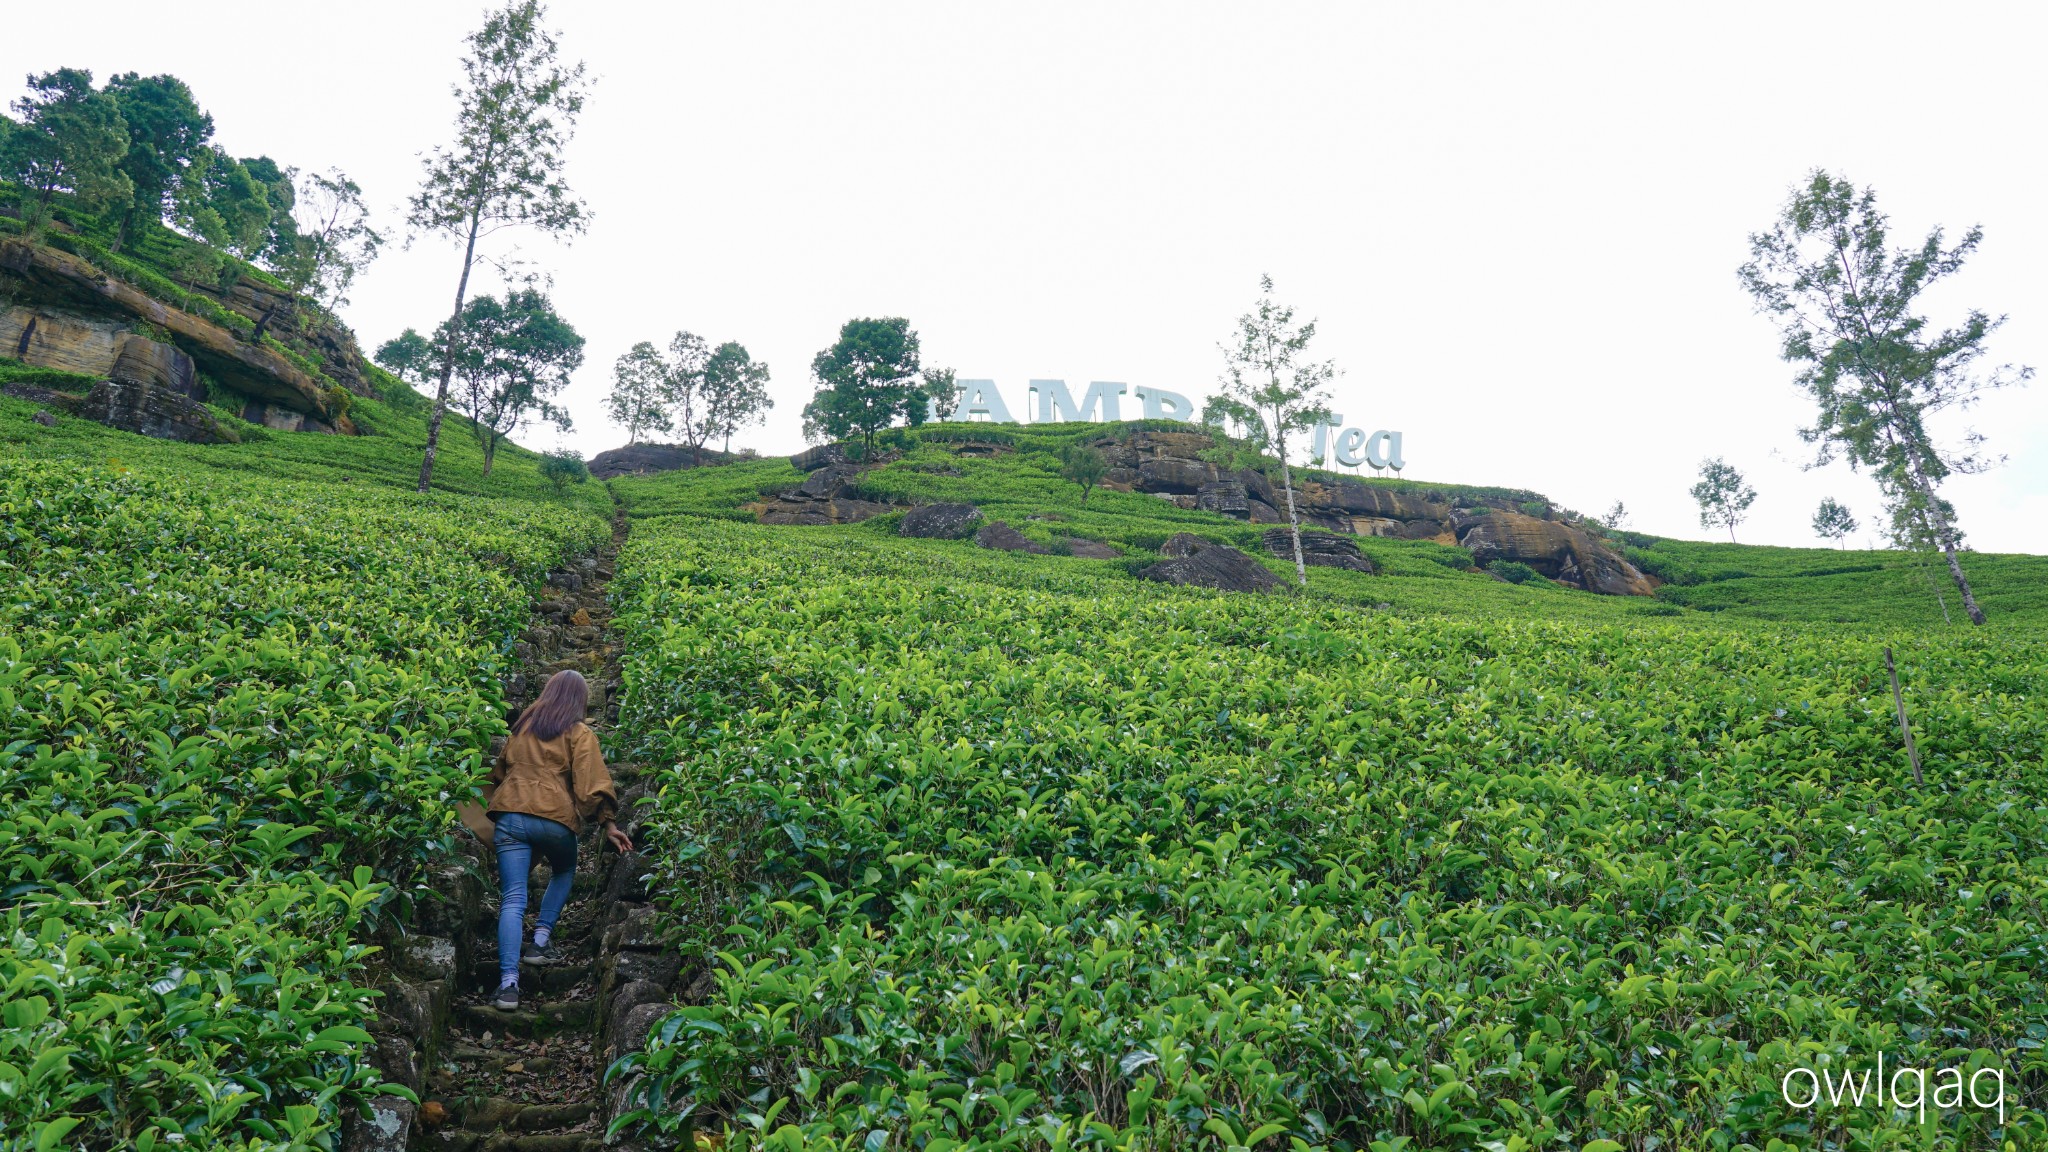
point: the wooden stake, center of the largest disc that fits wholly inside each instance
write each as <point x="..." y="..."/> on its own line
<point x="1905" y="729"/>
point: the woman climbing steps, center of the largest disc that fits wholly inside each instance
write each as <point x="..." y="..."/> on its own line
<point x="550" y="778"/>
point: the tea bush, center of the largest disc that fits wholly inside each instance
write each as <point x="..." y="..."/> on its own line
<point x="239" y="711"/>
<point x="1008" y="851"/>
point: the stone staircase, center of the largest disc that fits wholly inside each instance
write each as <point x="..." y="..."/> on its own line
<point x="530" y="1080"/>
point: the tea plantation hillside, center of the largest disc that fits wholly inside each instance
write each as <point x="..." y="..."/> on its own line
<point x="1023" y="488"/>
<point x="244" y="687"/>
<point x="994" y="849"/>
<point x="972" y="847"/>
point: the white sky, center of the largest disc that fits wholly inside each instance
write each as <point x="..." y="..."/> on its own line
<point x="1517" y="224"/>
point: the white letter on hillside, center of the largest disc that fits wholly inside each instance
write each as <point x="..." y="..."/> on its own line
<point x="1056" y="403"/>
<point x="1348" y="444"/>
<point x="1163" y="405"/>
<point x="1319" y="443"/>
<point x="1383" y="450"/>
<point x="979" y="398"/>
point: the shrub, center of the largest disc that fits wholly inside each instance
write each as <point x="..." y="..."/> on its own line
<point x="564" y="468"/>
<point x="1514" y="571"/>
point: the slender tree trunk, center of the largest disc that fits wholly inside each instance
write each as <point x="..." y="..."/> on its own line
<point x="1293" y="521"/>
<point x="1944" y="534"/>
<point x="448" y="360"/>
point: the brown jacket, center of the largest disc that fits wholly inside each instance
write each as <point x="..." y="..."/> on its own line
<point x="563" y="779"/>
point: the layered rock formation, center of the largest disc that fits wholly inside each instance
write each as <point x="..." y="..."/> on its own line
<point x="1318" y="550"/>
<point x="64" y="313"/>
<point x="650" y="459"/>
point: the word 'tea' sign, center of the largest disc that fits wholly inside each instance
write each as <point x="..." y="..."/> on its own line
<point x="1051" y="402"/>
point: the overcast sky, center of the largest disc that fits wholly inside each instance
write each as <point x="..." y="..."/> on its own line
<point x="1517" y="225"/>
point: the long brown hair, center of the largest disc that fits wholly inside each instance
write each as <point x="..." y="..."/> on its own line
<point x="560" y="707"/>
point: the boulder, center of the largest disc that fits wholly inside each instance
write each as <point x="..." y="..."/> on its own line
<point x="1092" y="549"/>
<point x="1191" y="561"/>
<point x="1260" y="512"/>
<point x="1556" y="550"/>
<point x="1002" y="537"/>
<point x="829" y="482"/>
<point x="1175" y="474"/>
<point x="819" y="512"/>
<point x="939" y="521"/>
<point x="1226" y="498"/>
<point x="382" y="1125"/>
<point x="1259" y="488"/>
<point x="44" y="419"/>
<point x="1319" y="550"/>
<point x="812" y="459"/>
<point x="152" y="411"/>
<point x="644" y="460"/>
<point x="278" y="418"/>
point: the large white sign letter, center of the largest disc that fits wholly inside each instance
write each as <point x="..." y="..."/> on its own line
<point x="1056" y="403"/>
<point x="1163" y="405"/>
<point x="980" y="398"/>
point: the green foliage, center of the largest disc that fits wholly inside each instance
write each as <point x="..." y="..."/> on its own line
<point x="240" y="715"/>
<point x="976" y="842"/>
<point x="70" y="139"/>
<point x="512" y="358"/>
<point x="563" y="469"/>
<point x="167" y="145"/>
<point x="1723" y="495"/>
<point x="870" y="378"/>
<point x="1083" y="465"/>
<point x="1832" y="521"/>
<point x="1514" y="571"/>
<point x="16" y="372"/>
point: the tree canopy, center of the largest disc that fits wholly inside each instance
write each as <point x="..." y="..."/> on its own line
<point x="870" y="378"/>
<point x="513" y="357"/>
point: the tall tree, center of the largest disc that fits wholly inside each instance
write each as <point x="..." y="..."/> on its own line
<point x="870" y="378"/>
<point x="513" y="357"/>
<point x="683" y="390"/>
<point x="409" y="357"/>
<point x="1268" y="380"/>
<point x="167" y="140"/>
<point x="1832" y="521"/>
<point x="1617" y="517"/>
<point x="1847" y="306"/>
<point x="639" y="395"/>
<point x="517" y="109"/>
<point x="331" y="242"/>
<point x="70" y="139"/>
<point x="735" y="391"/>
<point x="1723" y="495"/>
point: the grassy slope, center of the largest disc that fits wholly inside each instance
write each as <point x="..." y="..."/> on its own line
<point x="1736" y="581"/>
<point x="388" y="456"/>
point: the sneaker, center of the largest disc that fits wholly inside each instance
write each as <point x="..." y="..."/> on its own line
<point x="540" y="953"/>
<point x="507" y="999"/>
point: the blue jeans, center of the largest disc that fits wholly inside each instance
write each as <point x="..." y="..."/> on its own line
<point x="517" y="838"/>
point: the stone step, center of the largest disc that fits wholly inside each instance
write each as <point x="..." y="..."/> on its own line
<point x="533" y="1019"/>
<point x="463" y="1140"/>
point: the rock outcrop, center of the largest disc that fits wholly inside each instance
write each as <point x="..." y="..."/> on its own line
<point x="1002" y="537"/>
<point x="60" y="282"/>
<point x="1319" y="550"/>
<point x="1191" y="561"/>
<point x="940" y="521"/>
<point x="827" y="496"/>
<point x="1561" y="552"/>
<point x="151" y="410"/>
<point x="647" y="460"/>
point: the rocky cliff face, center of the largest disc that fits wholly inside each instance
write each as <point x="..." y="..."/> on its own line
<point x="59" y="311"/>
